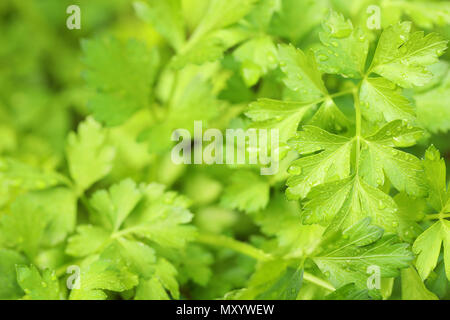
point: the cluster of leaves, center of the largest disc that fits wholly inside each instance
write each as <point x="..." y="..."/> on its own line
<point x="85" y="167"/>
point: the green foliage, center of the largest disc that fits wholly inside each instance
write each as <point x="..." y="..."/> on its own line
<point x="93" y="207"/>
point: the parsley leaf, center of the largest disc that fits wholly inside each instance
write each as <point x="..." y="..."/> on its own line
<point x="359" y="247"/>
<point x="88" y="156"/>
<point x="37" y="286"/>
<point x="333" y="160"/>
<point x="344" y="49"/>
<point x="122" y="81"/>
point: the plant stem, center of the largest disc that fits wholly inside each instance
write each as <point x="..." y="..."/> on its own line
<point x="331" y="96"/>
<point x="437" y="216"/>
<point x="358" y="125"/>
<point x="317" y="281"/>
<point x="244" y="248"/>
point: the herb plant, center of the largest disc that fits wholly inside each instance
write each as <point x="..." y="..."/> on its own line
<point x="93" y="207"/>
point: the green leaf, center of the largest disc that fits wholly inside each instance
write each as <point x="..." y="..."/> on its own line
<point x="87" y="240"/>
<point x="361" y="246"/>
<point x="344" y="49"/>
<point x="221" y="14"/>
<point x="274" y="114"/>
<point x="90" y="159"/>
<point x="413" y="287"/>
<point x="259" y="18"/>
<point x="273" y="279"/>
<point x="286" y="287"/>
<point x="402" y="58"/>
<point x="193" y="99"/>
<point x="410" y="212"/>
<point x="390" y="40"/>
<point x="427" y="14"/>
<point x="332" y="162"/>
<point x="16" y="174"/>
<point x="330" y="117"/>
<point x="432" y="108"/>
<point x="10" y="289"/>
<point x="381" y="100"/>
<point x="281" y="219"/>
<point x="210" y="39"/>
<point x="209" y="49"/>
<point x="247" y="191"/>
<point x="162" y="217"/>
<point x="349" y="292"/>
<point x="37" y="286"/>
<point x="151" y="289"/>
<point x="140" y="257"/>
<point x="428" y="246"/>
<point x="122" y="80"/>
<point x="301" y="73"/>
<point x="103" y="274"/>
<point x="259" y="53"/>
<point x="111" y="270"/>
<point x="194" y="263"/>
<point x="435" y="171"/>
<point x="166" y="17"/>
<point x="24" y="227"/>
<point x="379" y="158"/>
<point x="343" y="203"/>
<point x="58" y="205"/>
<point x="163" y="279"/>
<point x="114" y="206"/>
<point x="285" y="22"/>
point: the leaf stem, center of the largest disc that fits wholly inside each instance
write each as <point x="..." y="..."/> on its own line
<point x="248" y="250"/>
<point x="317" y="281"/>
<point x="331" y="96"/>
<point x="437" y="216"/>
<point x="227" y="242"/>
<point x="358" y="125"/>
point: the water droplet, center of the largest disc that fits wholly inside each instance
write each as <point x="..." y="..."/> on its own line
<point x="334" y="44"/>
<point x="381" y="205"/>
<point x="295" y="170"/>
<point x="395" y="224"/>
<point x="322" y="57"/>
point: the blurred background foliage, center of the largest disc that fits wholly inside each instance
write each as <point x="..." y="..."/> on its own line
<point x="46" y="91"/>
